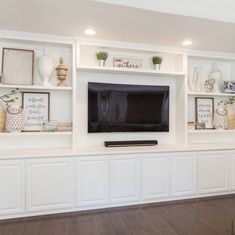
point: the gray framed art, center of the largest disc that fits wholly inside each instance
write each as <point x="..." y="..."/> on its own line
<point x="36" y="107"/>
<point x="17" y="66"/>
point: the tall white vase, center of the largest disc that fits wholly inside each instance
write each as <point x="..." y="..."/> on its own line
<point x="195" y="83"/>
<point x="45" y="68"/>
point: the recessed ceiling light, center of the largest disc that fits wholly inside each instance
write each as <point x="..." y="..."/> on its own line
<point x="90" y="31"/>
<point x="187" y="43"/>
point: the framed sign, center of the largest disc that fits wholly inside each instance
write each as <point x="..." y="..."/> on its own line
<point x="204" y="112"/>
<point x="127" y="63"/>
<point x="37" y="110"/>
<point x="17" y="66"/>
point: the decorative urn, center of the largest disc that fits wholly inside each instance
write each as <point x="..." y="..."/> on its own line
<point x="62" y="72"/>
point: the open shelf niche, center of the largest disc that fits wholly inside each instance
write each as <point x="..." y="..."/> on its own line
<point x="61" y="98"/>
<point x="204" y="65"/>
<point x="172" y="73"/>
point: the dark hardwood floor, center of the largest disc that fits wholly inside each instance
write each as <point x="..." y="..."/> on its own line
<point x="199" y="217"/>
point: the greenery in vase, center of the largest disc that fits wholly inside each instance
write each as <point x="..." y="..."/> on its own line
<point x="157" y="59"/>
<point x="101" y="55"/>
<point x="230" y="100"/>
<point x="10" y="98"/>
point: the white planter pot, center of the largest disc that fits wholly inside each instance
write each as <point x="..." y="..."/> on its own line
<point x="101" y="63"/>
<point x="45" y="69"/>
<point x="157" y="67"/>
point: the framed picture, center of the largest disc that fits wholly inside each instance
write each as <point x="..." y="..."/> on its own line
<point x="204" y="112"/>
<point x="37" y="110"/>
<point x="17" y="66"/>
<point x="127" y="63"/>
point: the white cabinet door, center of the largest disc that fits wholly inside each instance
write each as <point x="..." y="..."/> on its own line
<point x="183" y="174"/>
<point x="213" y="171"/>
<point x="49" y="184"/>
<point x="156" y="176"/>
<point x="92" y="181"/>
<point x="124" y="178"/>
<point x="12" y="186"/>
<point x="232" y="171"/>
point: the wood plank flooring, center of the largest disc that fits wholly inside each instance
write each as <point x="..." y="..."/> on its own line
<point x="199" y="217"/>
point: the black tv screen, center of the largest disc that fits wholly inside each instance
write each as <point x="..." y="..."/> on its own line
<point x="127" y="108"/>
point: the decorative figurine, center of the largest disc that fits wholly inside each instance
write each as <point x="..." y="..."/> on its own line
<point x="62" y="72"/>
<point x="209" y="85"/>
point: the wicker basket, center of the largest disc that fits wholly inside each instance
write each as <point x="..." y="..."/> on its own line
<point x="14" y="119"/>
<point x="2" y="119"/>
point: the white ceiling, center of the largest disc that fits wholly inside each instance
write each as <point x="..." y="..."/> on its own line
<point x="120" y="23"/>
<point x="208" y="9"/>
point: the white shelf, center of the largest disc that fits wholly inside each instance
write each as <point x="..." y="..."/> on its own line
<point x="210" y="94"/>
<point x="32" y="87"/>
<point x="212" y="131"/>
<point x="56" y="133"/>
<point x="131" y="71"/>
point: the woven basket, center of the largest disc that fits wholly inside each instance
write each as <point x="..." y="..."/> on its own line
<point x="14" y="119"/>
<point x="2" y="119"/>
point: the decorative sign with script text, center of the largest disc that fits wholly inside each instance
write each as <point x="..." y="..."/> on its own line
<point x="36" y="107"/>
<point x="205" y="112"/>
<point x="127" y="63"/>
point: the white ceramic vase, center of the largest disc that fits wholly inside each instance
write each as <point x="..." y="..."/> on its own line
<point x="45" y="68"/>
<point x="195" y="83"/>
<point x="217" y="76"/>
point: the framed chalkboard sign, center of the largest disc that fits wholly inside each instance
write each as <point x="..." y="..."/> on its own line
<point x="36" y="107"/>
<point x="204" y="112"/>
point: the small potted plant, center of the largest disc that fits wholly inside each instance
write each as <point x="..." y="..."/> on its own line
<point x="101" y="57"/>
<point x="157" y="60"/>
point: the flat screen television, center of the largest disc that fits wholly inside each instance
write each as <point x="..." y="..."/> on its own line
<point x="127" y="108"/>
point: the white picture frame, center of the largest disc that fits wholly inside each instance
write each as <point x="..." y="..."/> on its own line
<point x="17" y="66"/>
<point x="36" y="107"/>
<point x="204" y="112"/>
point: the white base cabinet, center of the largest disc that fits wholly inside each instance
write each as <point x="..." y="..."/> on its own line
<point x="61" y="184"/>
<point x="183" y="174"/>
<point x="232" y="170"/>
<point x="124" y="178"/>
<point x="92" y="181"/>
<point x="49" y="184"/>
<point x="12" y="187"/>
<point x="213" y="172"/>
<point x="156" y="177"/>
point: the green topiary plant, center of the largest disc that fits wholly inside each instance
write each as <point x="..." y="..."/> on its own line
<point x="157" y="59"/>
<point x="102" y="55"/>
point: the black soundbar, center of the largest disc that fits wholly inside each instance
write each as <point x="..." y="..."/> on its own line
<point x="130" y="143"/>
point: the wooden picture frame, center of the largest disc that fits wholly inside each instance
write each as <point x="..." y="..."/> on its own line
<point x="17" y="66"/>
<point x="36" y="107"/>
<point x="204" y="112"/>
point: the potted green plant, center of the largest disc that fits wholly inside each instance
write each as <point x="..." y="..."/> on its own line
<point x="101" y="56"/>
<point x="157" y="60"/>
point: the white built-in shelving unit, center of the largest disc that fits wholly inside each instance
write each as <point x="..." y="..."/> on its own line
<point x="224" y="63"/>
<point x="61" y="98"/>
<point x="172" y="73"/>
